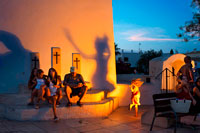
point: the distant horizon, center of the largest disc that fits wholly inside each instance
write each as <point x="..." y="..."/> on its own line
<point x="135" y="51"/>
<point x="155" y="24"/>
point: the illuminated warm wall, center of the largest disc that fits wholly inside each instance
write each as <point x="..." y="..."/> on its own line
<point x="76" y="26"/>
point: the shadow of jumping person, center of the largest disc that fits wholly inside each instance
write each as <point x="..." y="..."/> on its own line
<point x="102" y="56"/>
<point x="14" y="65"/>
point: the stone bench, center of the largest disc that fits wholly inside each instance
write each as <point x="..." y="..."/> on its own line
<point x="14" y="107"/>
<point x="88" y="110"/>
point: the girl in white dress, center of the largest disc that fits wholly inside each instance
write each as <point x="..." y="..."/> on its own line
<point x="40" y="87"/>
<point x="54" y="92"/>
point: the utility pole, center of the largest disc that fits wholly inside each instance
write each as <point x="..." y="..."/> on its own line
<point x="139" y="48"/>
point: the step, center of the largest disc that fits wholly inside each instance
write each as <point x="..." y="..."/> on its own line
<point x="93" y="95"/>
<point x="22" y="112"/>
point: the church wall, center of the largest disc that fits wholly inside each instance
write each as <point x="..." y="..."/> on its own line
<point x="76" y="26"/>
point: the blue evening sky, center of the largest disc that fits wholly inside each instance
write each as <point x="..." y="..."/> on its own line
<point x="153" y="23"/>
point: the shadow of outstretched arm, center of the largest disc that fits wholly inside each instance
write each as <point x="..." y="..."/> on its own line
<point x="69" y="37"/>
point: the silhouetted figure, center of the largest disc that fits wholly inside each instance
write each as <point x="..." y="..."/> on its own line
<point x="14" y="65"/>
<point x="102" y="57"/>
<point x="185" y="73"/>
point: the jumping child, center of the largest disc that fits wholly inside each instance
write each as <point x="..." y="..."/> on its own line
<point x="135" y="98"/>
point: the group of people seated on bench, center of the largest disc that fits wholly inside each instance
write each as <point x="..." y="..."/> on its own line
<point x="49" y="87"/>
<point x="188" y="85"/>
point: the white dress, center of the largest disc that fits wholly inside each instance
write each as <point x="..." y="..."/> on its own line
<point x="53" y="89"/>
<point x="39" y="83"/>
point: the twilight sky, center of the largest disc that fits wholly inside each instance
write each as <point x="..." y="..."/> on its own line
<point x="153" y="23"/>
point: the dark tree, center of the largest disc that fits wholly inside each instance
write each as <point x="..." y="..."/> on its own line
<point x="191" y="29"/>
<point x="143" y="62"/>
<point x="171" y="51"/>
<point x="117" y="49"/>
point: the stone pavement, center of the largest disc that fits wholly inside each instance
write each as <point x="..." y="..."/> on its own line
<point x="121" y="121"/>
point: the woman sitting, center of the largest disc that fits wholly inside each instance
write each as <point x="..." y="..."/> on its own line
<point x="183" y="91"/>
<point x="39" y="89"/>
<point x="54" y="92"/>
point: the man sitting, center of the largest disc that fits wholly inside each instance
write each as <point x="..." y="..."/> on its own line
<point x="74" y="86"/>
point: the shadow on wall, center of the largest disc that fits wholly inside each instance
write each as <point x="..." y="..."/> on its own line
<point x="14" y="65"/>
<point x="102" y="56"/>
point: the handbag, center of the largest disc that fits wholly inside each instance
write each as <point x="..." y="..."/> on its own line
<point x="180" y="106"/>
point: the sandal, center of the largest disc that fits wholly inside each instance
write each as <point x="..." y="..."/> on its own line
<point x="57" y="104"/>
<point x="79" y="104"/>
<point x="56" y="119"/>
<point x="37" y="106"/>
<point x="69" y="104"/>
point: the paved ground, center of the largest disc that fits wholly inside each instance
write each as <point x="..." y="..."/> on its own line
<point x="122" y="120"/>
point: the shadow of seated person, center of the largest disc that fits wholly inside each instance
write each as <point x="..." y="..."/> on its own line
<point x="74" y="86"/>
<point x="183" y="93"/>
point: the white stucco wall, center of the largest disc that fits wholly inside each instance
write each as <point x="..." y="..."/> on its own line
<point x="132" y="58"/>
<point x="76" y="26"/>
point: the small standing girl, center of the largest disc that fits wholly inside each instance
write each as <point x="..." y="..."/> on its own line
<point x="54" y="92"/>
<point x="135" y="98"/>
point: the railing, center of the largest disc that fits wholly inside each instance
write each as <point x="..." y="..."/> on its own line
<point x="167" y="73"/>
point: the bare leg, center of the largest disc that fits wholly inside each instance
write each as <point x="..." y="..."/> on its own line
<point x="132" y="102"/>
<point x="38" y="100"/>
<point x="131" y="106"/>
<point x="49" y="96"/>
<point x="196" y="91"/>
<point x="85" y="91"/>
<point x="136" y="110"/>
<point x="41" y="92"/>
<point x="59" y="93"/>
<point x="33" y="94"/>
<point x="68" y="92"/>
<point x="54" y="98"/>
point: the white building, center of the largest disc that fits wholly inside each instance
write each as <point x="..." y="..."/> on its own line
<point x="129" y="57"/>
<point x="158" y="66"/>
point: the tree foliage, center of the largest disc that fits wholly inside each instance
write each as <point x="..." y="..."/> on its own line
<point x="117" y="49"/>
<point x="171" y="51"/>
<point x="191" y="29"/>
<point x="143" y="62"/>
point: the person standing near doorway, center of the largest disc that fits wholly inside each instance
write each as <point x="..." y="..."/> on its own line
<point x="185" y="73"/>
